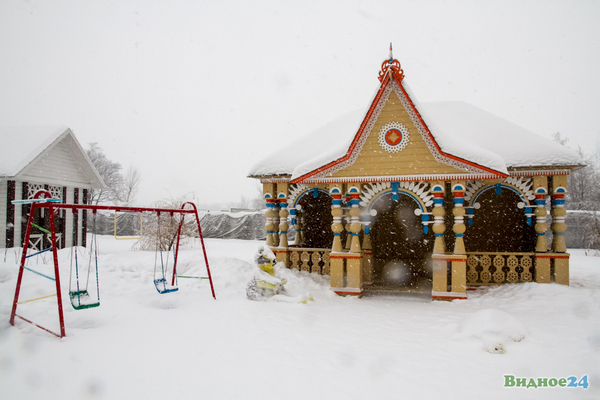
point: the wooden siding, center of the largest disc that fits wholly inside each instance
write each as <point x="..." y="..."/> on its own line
<point x="58" y="166"/>
<point x="416" y="158"/>
<point x="18" y="212"/>
<point x="3" y="211"/>
<point x="70" y="218"/>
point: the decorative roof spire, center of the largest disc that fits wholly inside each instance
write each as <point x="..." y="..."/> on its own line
<point x="391" y="66"/>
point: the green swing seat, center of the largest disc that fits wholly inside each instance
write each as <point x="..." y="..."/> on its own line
<point x="80" y="297"/>
<point x="81" y="300"/>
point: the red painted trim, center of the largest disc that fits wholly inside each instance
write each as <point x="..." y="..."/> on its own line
<point x="447" y="298"/>
<point x="441" y="257"/>
<point x="349" y="293"/>
<point x="551" y="257"/>
<point x="346" y="257"/>
<point x="360" y="132"/>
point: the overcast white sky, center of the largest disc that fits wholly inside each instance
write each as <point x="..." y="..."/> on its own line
<point x="193" y="92"/>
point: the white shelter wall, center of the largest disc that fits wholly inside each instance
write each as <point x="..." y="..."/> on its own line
<point x="57" y="167"/>
<point x="3" y="211"/>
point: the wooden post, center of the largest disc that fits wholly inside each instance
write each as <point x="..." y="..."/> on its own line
<point x="269" y="196"/>
<point x="336" y="271"/>
<point x="440" y="275"/>
<point x="355" y="225"/>
<point x="459" y="228"/>
<point x="297" y="220"/>
<point x="367" y="260"/>
<point x="561" y="269"/>
<point x="336" y="210"/>
<point x="354" y="260"/>
<point x="542" y="268"/>
<point x="559" y="227"/>
<point x="540" y="185"/>
<point x="458" y="274"/>
<point x="437" y="189"/>
<point x="348" y="222"/>
<point x="283" y="214"/>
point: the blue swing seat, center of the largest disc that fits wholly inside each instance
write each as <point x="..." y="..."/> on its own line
<point x="162" y="287"/>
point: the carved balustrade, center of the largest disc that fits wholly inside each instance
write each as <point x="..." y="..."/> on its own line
<point x="310" y="260"/>
<point x="485" y="268"/>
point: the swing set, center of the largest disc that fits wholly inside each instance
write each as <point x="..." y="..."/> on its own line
<point x="80" y="295"/>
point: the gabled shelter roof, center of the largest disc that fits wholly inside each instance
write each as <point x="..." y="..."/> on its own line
<point x="23" y="147"/>
<point x="458" y="134"/>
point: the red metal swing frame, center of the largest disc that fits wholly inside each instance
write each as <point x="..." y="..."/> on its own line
<point x="53" y="207"/>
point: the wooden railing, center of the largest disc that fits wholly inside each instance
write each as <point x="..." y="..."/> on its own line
<point x="485" y="268"/>
<point x="310" y="260"/>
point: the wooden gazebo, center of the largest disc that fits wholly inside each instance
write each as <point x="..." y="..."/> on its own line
<point x="409" y="193"/>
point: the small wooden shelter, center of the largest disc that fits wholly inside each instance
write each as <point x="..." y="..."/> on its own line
<point x="48" y="158"/>
<point x="409" y="193"/>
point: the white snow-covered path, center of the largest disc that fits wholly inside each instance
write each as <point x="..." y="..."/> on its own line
<point x="140" y="344"/>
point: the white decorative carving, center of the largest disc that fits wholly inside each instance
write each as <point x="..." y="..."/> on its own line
<point x="401" y="144"/>
<point x="523" y="184"/>
<point x="56" y="192"/>
<point x="418" y="189"/>
<point x="295" y="190"/>
<point x="32" y="189"/>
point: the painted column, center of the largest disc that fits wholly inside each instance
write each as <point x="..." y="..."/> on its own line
<point x="355" y="224"/>
<point x="559" y="227"/>
<point x="367" y="259"/>
<point x="275" y="219"/>
<point x="354" y="264"/>
<point x="459" y="262"/>
<point x="559" y="214"/>
<point x="439" y="260"/>
<point x="336" y="211"/>
<point x="299" y="224"/>
<point x="542" y="262"/>
<point x="459" y="228"/>
<point x="540" y="191"/>
<point x="294" y="222"/>
<point x="438" y="189"/>
<point x="281" y="252"/>
<point x="348" y="221"/>
<point x="283" y="214"/>
<point x="336" y="264"/>
<point x="268" y="194"/>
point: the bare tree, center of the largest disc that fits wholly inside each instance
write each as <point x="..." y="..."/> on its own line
<point x="160" y="232"/>
<point x="131" y="183"/>
<point x="110" y="172"/>
<point x="584" y="194"/>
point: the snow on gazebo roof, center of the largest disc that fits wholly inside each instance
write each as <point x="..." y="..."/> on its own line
<point x="461" y="131"/>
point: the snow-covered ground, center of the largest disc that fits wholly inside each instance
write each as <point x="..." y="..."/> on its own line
<point x="143" y="345"/>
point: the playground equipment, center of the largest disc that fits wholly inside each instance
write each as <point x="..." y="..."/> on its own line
<point x="78" y="296"/>
<point x="130" y="238"/>
<point x="161" y="281"/>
